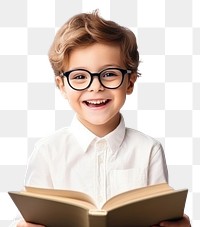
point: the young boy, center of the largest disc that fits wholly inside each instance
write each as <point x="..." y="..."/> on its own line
<point x="96" y="65"/>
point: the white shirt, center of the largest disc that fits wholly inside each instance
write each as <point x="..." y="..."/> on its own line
<point x="74" y="158"/>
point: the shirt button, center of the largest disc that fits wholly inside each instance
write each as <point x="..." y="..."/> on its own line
<point x="101" y="145"/>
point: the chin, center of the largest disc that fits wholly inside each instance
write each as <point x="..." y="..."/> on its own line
<point x="97" y="122"/>
<point x="94" y="120"/>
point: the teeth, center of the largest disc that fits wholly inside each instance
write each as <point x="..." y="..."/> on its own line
<point x="96" y="102"/>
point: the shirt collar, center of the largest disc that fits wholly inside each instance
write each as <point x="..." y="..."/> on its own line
<point x="85" y="137"/>
<point x="116" y="137"/>
<point x="82" y="134"/>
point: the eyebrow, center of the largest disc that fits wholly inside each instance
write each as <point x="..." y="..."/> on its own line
<point x="101" y="68"/>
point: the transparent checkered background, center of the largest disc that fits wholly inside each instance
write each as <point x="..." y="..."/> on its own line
<point x="165" y="103"/>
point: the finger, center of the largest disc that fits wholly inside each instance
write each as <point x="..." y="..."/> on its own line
<point x="26" y="224"/>
<point x="180" y="223"/>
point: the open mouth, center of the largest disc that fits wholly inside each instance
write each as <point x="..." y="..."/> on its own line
<point x="97" y="103"/>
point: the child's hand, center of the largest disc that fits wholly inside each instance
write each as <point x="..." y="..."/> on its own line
<point x="26" y="224"/>
<point x="184" y="222"/>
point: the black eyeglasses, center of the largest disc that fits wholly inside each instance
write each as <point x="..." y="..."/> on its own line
<point x="81" y="79"/>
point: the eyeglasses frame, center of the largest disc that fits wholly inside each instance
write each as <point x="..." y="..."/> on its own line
<point x="67" y="73"/>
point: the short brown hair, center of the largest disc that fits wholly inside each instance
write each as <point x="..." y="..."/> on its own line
<point x="88" y="28"/>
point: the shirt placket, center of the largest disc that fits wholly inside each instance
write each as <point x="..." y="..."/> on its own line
<point x="101" y="153"/>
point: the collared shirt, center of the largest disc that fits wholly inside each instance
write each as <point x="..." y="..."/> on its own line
<point x="74" y="158"/>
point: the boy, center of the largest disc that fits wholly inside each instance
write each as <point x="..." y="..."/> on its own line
<point x="96" y="65"/>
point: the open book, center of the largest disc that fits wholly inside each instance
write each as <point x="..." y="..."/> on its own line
<point x="139" y="207"/>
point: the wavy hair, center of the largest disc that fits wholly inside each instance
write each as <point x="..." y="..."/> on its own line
<point x="88" y="28"/>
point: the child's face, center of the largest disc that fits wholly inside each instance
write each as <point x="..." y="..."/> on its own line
<point x="97" y="107"/>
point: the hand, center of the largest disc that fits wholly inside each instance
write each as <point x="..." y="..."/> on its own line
<point x="26" y="224"/>
<point x="184" y="222"/>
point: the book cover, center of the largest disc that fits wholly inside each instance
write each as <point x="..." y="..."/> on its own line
<point x="139" y="207"/>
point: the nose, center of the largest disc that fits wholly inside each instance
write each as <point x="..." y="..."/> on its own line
<point x="95" y="85"/>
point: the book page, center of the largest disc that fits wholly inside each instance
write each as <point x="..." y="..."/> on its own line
<point x="63" y="194"/>
<point x="137" y="194"/>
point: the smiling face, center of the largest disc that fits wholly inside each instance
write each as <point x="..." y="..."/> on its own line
<point x="97" y="107"/>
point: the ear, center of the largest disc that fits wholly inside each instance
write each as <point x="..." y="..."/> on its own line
<point x="131" y="82"/>
<point x="60" y="84"/>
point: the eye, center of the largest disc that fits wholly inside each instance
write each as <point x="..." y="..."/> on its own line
<point x="109" y="74"/>
<point x="78" y="76"/>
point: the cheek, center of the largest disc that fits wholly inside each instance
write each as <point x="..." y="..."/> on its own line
<point x="69" y="97"/>
<point x="68" y="93"/>
<point x="120" y="97"/>
<point x="73" y="97"/>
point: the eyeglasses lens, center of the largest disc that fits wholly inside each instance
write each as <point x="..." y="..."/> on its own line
<point x="110" y="78"/>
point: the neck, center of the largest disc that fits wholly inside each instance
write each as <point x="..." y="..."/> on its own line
<point x="102" y="130"/>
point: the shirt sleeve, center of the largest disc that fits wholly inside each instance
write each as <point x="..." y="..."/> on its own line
<point x="38" y="173"/>
<point x="38" y="169"/>
<point x="157" y="172"/>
